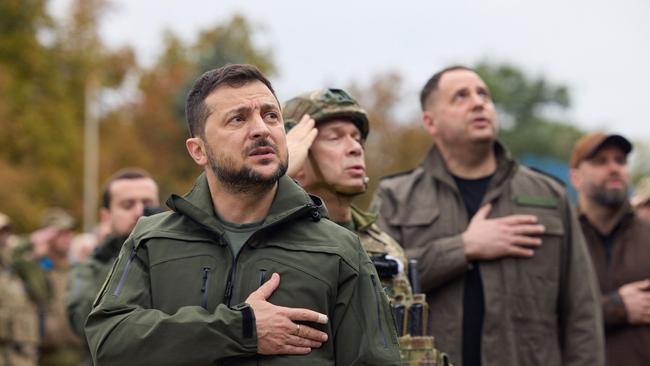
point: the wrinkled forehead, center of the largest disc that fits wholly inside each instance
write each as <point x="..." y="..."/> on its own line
<point x="251" y="95"/>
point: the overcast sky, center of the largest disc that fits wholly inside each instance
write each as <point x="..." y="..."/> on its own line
<point x="599" y="48"/>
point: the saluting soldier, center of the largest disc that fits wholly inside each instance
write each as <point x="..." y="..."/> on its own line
<point x="326" y="134"/>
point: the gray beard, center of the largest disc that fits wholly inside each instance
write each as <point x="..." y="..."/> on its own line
<point x="610" y="199"/>
<point x="243" y="180"/>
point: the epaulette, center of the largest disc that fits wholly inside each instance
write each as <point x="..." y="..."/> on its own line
<point x="546" y="174"/>
<point x="398" y="174"/>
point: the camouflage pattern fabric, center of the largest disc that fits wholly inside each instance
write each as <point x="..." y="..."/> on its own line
<point x="324" y="105"/>
<point x="18" y="321"/>
<point x="409" y="310"/>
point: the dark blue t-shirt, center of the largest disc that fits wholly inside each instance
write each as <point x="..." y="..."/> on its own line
<point x="472" y="191"/>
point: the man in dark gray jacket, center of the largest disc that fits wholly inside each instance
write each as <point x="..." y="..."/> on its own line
<point x="502" y="259"/>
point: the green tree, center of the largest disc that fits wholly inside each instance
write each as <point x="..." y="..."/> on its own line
<point x="524" y="102"/>
<point x="150" y="132"/>
<point x="44" y="68"/>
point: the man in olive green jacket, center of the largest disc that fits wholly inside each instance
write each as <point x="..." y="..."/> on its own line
<point x="246" y="269"/>
<point x="503" y="262"/>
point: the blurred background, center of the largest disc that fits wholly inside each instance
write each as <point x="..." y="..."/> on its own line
<point x="91" y="86"/>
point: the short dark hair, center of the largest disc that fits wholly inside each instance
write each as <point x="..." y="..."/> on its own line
<point x="126" y="173"/>
<point x="432" y="84"/>
<point x="235" y="75"/>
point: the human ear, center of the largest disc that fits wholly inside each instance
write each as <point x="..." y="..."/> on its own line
<point x="195" y="146"/>
<point x="429" y="123"/>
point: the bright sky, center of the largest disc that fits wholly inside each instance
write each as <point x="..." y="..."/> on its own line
<point x="599" y="48"/>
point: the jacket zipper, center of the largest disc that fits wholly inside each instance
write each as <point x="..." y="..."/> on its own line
<point x="125" y="272"/>
<point x="204" y="287"/>
<point x="262" y="275"/>
<point x="231" y="276"/>
<point x="382" y="336"/>
<point x="233" y="271"/>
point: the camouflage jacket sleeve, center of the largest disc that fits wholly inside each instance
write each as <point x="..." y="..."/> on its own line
<point x="82" y="289"/>
<point x="580" y="304"/>
<point x="124" y="329"/>
<point x="365" y="332"/>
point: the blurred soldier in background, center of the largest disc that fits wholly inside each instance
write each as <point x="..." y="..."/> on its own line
<point x="18" y="316"/>
<point x="330" y="162"/>
<point x="641" y="199"/>
<point x="42" y="261"/>
<point x="618" y="242"/>
<point x="125" y="196"/>
<point x="503" y="262"/>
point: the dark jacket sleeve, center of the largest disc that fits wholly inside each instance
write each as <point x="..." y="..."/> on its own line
<point x="123" y="329"/>
<point x="438" y="263"/>
<point x="580" y="306"/>
<point x="364" y="330"/>
<point x="82" y="289"/>
<point x="614" y="311"/>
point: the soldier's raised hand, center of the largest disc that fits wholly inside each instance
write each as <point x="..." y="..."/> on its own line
<point x="514" y="235"/>
<point x="299" y="140"/>
<point x="277" y="332"/>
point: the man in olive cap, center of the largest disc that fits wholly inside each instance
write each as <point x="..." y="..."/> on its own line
<point x="618" y="241"/>
<point x="326" y="134"/>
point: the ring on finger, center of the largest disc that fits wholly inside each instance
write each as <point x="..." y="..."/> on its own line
<point x="298" y="329"/>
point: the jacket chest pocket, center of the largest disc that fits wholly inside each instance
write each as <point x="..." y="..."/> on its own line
<point x="420" y="226"/>
<point x="299" y="286"/>
<point x="533" y="283"/>
<point x="192" y="280"/>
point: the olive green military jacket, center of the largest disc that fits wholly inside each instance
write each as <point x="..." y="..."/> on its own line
<point x="175" y="294"/>
<point x="85" y="280"/>
<point x="543" y="310"/>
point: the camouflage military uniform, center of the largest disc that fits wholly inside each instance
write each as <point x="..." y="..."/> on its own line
<point x="414" y="349"/>
<point x="46" y="284"/>
<point x="410" y="311"/>
<point x="18" y="320"/>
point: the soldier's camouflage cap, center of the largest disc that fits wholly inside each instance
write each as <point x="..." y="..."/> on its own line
<point x="324" y="105"/>
<point x="58" y="218"/>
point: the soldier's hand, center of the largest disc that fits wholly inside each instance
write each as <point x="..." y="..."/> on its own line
<point x="299" y="140"/>
<point x="41" y="239"/>
<point x="636" y="297"/>
<point x="514" y="236"/>
<point x="277" y="332"/>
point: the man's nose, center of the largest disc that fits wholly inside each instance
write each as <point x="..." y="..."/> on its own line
<point x="139" y="209"/>
<point x="614" y="165"/>
<point x="353" y="146"/>
<point x="478" y="101"/>
<point x="258" y="128"/>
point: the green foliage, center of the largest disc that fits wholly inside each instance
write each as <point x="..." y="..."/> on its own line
<point x="44" y="70"/>
<point x="524" y="101"/>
